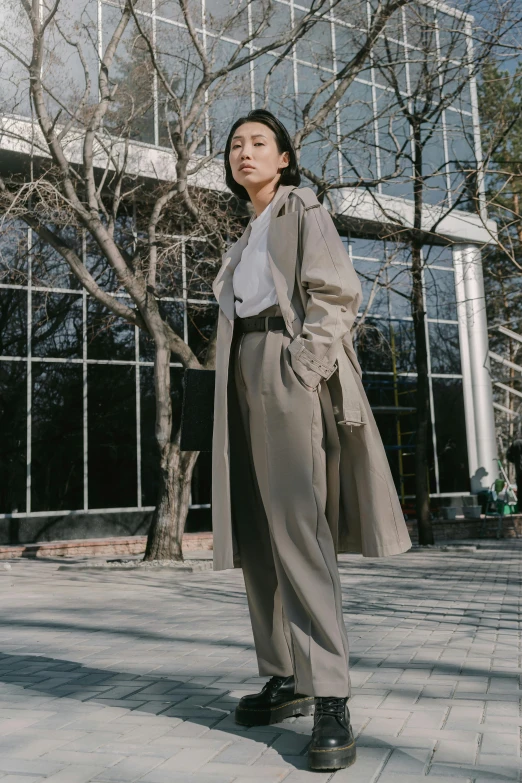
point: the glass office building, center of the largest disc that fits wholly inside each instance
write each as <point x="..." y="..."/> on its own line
<point x="77" y="410"/>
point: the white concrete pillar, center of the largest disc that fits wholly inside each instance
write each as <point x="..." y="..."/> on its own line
<point x="474" y="346"/>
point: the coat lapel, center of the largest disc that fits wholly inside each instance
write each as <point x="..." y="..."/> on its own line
<point x="282" y="255"/>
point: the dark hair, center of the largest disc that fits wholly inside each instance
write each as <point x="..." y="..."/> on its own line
<point x="289" y="175"/>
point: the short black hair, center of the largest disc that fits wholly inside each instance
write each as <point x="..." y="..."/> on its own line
<point x="290" y="174"/>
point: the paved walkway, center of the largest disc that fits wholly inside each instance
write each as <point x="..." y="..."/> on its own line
<point x="133" y="676"/>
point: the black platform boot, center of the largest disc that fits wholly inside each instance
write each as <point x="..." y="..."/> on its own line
<point x="275" y="702"/>
<point x="333" y="743"/>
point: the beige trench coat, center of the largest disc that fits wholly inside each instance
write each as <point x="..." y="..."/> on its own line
<point x="304" y="247"/>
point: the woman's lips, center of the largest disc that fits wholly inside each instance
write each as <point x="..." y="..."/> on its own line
<point x="247" y="167"/>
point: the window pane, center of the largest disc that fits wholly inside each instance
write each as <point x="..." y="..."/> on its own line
<point x="201" y="325"/>
<point x="450" y="427"/>
<point x="172" y="312"/>
<point x="403" y="344"/>
<point x="15" y="32"/>
<point x="230" y="98"/>
<point x="372" y="274"/>
<point x="444" y="347"/>
<point x="112" y="436"/>
<point x="367" y="248"/>
<point x="274" y="89"/>
<point x="230" y="19"/>
<point x="279" y="22"/>
<point x="57" y="325"/>
<point x="399" y="280"/>
<point x="461" y="154"/>
<point x="50" y="269"/>
<point x="358" y="133"/>
<point x="433" y="165"/>
<point x="72" y="31"/>
<point x="440" y="293"/>
<point x="373" y="346"/>
<point x="98" y="266"/>
<point x="440" y="256"/>
<point x="319" y="149"/>
<point x="132" y="71"/>
<point x="13" y="426"/>
<point x="13" y="253"/>
<point x="108" y="335"/>
<point x="201" y="269"/>
<point x="315" y="46"/>
<point x="57" y="437"/>
<point x="13" y="322"/>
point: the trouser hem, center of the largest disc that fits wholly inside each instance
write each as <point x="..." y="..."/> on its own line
<point x="325" y="688"/>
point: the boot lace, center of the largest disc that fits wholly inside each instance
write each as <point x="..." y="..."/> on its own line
<point x="330" y="705"/>
<point x="274" y="682"/>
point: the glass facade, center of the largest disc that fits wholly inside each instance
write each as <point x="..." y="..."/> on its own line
<point x="386" y="350"/>
<point x="77" y="403"/>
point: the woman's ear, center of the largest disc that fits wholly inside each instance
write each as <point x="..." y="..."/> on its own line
<point x="285" y="160"/>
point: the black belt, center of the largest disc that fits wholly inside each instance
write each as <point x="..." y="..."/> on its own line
<point x="260" y="323"/>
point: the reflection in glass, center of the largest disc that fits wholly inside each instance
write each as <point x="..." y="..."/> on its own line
<point x="440" y="293"/>
<point x="112" y="436"/>
<point x="230" y="99"/>
<point x="57" y="437"/>
<point x="131" y="109"/>
<point x="315" y="46"/>
<point x="400" y="283"/>
<point x="201" y="268"/>
<point x="358" y="147"/>
<point x="226" y="19"/>
<point x="444" y="348"/>
<point x="403" y="344"/>
<point x="57" y="325"/>
<point x="13" y="426"/>
<point x="368" y="272"/>
<point x="49" y="268"/>
<point x="450" y="428"/>
<point x="13" y="253"/>
<point x="108" y="335"/>
<point x="372" y="345"/>
<point x="462" y="161"/>
<point x="201" y="324"/>
<point x="438" y="255"/>
<point x="367" y="248"/>
<point x="274" y="89"/>
<point x="13" y="322"/>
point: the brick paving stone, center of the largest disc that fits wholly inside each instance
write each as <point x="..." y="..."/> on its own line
<point x="127" y="676"/>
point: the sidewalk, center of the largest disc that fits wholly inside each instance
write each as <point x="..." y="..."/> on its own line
<point x="133" y="675"/>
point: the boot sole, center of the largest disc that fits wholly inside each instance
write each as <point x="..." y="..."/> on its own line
<point x="246" y="717"/>
<point x="336" y="758"/>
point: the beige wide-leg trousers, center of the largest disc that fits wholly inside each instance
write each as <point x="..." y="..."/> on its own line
<point x="278" y="481"/>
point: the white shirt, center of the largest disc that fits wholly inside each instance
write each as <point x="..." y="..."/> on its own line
<point x="253" y="284"/>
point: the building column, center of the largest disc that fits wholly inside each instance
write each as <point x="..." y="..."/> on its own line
<point x="476" y="375"/>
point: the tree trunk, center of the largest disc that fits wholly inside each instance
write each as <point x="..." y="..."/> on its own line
<point x="422" y="490"/>
<point x="165" y="537"/>
<point x="168" y="521"/>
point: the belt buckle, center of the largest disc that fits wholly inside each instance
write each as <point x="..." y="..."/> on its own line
<point x="266" y="317"/>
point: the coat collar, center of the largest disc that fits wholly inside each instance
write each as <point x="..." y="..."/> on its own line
<point x="282" y="251"/>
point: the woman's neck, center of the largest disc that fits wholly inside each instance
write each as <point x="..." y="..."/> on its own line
<point x="262" y="198"/>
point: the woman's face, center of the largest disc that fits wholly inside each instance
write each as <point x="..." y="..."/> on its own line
<point x="254" y="157"/>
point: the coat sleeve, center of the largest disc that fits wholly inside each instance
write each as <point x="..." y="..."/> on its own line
<point x="333" y="292"/>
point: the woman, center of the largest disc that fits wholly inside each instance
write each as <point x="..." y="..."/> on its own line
<point x="299" y="469"/>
